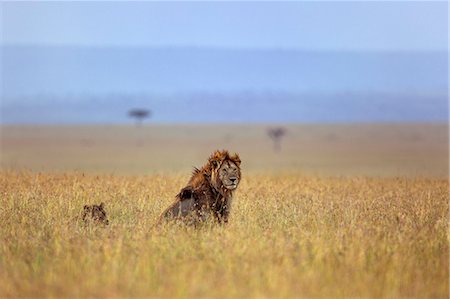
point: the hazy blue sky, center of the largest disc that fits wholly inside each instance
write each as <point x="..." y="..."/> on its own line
<point x="294" y="25"/>
<point x="396" y="69"/>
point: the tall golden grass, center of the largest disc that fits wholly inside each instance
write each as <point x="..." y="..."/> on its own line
<point x="289" y="236"/>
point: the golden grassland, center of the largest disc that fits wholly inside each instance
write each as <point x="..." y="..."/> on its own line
<point x="342" y="211"/>
<point x="289" y="236"/>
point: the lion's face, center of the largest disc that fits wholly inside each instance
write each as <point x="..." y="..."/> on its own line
<point x="229" y="175"/>
<point x="225" y="170"/>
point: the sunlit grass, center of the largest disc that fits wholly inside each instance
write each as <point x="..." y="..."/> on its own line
<point x="289" y="236"/>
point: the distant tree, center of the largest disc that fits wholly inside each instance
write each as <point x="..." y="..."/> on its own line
<point x="139" y="115"/>
<point x="276" y="134"/>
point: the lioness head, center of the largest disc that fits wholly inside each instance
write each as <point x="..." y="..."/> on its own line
<point x="225" y="170"/>
<point x="95" y="213"/>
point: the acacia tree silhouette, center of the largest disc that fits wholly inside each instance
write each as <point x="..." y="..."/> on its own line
<point x="139" y="114"/>
<point x="276" y="134"/>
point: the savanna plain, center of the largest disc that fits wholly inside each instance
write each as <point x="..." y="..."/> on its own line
<point x="340" y="211"/>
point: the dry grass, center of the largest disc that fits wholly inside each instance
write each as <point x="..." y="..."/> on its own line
<point x="289" y="236"/>
<point x="330" y="150"/>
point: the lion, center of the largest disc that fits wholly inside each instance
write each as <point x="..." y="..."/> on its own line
<point x="209" y="191"/>
<point x="95" y="213"/>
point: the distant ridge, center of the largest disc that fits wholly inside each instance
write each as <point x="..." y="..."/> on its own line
<point x="241" y="107"/>
<point x="62" y="84"/>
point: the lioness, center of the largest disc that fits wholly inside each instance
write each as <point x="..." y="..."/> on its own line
<point x="209" y="190"/>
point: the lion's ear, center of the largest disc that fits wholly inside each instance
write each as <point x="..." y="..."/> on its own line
<point x="236" y="159"/>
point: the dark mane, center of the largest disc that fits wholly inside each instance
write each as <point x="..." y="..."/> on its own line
<point x="195" y="171"/>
